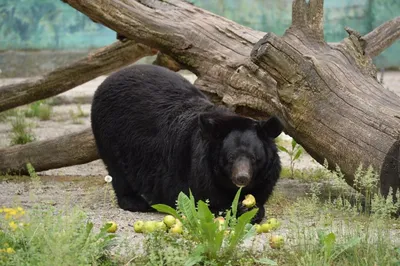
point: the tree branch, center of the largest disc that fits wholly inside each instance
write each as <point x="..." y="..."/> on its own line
<point x="167" y="61"/>
<point x="71" y="149"/>
<point x="102" y="61"/>
<point x="382" y="37"/>
<point x="308" y="18"/>
<point x="195" y="38"/>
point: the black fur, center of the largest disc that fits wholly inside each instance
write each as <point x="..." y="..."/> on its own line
<point x="159" y="135"/>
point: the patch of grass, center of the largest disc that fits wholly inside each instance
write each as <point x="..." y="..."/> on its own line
<point x="6" y="114"/>
<point x="76" y="116"/>
<point x="40" y="109"/>
<point x="307" y="174"/>
<point x="342" y="231"/>
<point x="21" y="132"/>
<point x="46" y="236"/>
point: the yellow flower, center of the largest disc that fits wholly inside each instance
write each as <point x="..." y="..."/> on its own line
<point x="13" y="225"/>
<point x="10" y="250"/>
<point x="7" y="210"/>
<point x="20" y="209"/>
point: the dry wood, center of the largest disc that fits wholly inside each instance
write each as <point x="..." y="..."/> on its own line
<point x="327" y="95"/>
<point x="71" y="149"/>
<point x="60" y="80"/>
<point x="382" y="37"/>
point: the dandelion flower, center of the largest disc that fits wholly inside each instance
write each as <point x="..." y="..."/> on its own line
<point x="13" y="225"/>
<point x="10" y="250"/>
<point x="108" y="178"/>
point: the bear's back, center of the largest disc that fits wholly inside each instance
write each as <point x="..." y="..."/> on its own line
<point x="145" y="116"/>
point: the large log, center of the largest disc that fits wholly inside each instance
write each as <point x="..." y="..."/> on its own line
<point x="326" y="94"/>
<point x="100" y="62"/>
<point x="330" y="97"/>
<point x="71" y="149"/>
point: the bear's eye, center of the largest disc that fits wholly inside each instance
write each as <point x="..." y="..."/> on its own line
<point x="253" y="158"/>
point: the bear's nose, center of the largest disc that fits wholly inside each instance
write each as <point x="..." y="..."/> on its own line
<point x="242" y="180"/>
<point x="241" y="172"/>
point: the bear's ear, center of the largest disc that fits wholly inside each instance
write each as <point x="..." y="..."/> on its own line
<point x="212" y="126"/>
<point x="271" y="127"/>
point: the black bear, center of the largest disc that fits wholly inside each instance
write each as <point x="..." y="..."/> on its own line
<point x="158" y="135"/>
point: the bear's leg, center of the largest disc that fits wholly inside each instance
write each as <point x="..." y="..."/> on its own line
<point x="127" y="198"/>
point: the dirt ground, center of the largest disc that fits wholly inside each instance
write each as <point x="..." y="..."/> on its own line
<point x="84" y="185"/>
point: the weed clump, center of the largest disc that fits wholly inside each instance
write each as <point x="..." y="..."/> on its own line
<point x="21" y="132"/>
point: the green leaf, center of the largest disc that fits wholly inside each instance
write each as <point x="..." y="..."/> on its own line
<point x="298" y="153"/>
<point x="196" y="256"/>
<point x="282" y="149"/>
<point x="192" y="202"/>
<point x="185" y="205"/>
<point x="228" y="217"/>
<point x="329" y="240"/>
<point x="266" y="261"/>
<point x="236" y="202"/>
<point x="204" y="213"/>
<point x="208" y="234"/>
<point x="166" y="209"/>
<point x="219" y="238"/>
<point x="250" y="232"/>
<point x="244" y="219"/>
<point x="353" y="242"/>
<point x="294" y="143"/>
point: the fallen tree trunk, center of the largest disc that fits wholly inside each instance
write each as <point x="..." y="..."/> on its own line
<point x="330" y="97"/>
<point x="327" y="95"/>
<point x="71" y="149"/>
<point x="98" y="63"/>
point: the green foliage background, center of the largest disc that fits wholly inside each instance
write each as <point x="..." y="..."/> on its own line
<point x="50" y="24"/>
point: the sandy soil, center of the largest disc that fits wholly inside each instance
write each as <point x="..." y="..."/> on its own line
<point x="84" y="185"/>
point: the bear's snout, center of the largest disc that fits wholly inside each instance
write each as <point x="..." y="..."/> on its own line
<point x="241" y="172"/>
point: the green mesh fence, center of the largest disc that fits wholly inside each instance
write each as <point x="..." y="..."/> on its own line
<point x="51" y="24"/>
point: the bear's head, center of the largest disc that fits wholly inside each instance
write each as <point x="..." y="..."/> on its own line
<point x="243" y="147"/>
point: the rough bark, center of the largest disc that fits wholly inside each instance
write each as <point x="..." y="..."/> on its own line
<point x="98" y="63"/>
<point x="71" y="149"/>
<point x="382" y="37"/>
<point x="331" y="99"/>
<point x="327" y="95"/>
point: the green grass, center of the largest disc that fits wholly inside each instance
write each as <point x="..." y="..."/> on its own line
<point x="4" y="116"/>
<point x="40" y="109"/>
<point x="340" y="231"/>
<point x="21" y="132"/>
<point x="307" y="175"/>
<point x="46" y="236"/>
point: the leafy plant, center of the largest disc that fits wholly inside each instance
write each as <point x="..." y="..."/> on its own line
<point x="330" y="249"/>
<point x="214" y="240"/>
<point x="294" y="154"/>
